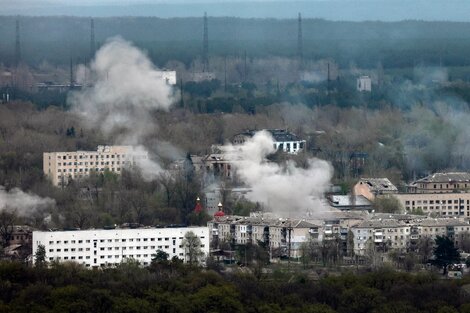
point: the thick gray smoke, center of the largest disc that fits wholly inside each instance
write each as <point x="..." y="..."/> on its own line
<point x="285" y="189"/>
<point x="126" y="89"/>
<point x="24" y="204"/>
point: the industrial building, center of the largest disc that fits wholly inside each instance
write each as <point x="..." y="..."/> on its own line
<point x="109" y="247"/>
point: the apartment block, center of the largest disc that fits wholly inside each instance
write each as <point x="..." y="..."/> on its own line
<point x="62" y="167"/>
<point x="438" y="204"/>
<point x="109" y="247"/>
<point x="381" y="234"/>
<point x="277" y="234"/>
<point x="441" y="183"/>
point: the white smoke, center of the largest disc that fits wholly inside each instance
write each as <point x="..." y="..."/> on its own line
<point x="24" y="204"/>
<point x="126" y="89"/>
<point x="285" y="189"/>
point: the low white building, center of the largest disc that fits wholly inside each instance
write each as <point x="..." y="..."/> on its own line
<point x="109" y="247"/>
<point x="283" y="140"/>
<point x="364" y="83"/>
<point x="168" y="76"/>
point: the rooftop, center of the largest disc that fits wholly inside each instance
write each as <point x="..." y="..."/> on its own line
<point x="378" y="184"/>
<point x="339" y="201"/>
<point x="450" y="177"/>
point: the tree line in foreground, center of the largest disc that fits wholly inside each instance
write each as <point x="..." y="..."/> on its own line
<point x="175" y="287"/>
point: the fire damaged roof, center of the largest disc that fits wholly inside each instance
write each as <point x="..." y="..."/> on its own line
<point x="379" y="184"/>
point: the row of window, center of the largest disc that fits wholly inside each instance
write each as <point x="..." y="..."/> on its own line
<point x="88" y="156"/>
<point x="408" y="202"/>
<point x="115" y="240"/>
<point x="92" y="163"/>
<point x="81" y="170"/>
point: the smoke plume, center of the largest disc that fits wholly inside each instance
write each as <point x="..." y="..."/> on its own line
<point x="125" y="90"/>
<point x="284" y="188"/>
<point x="24" y="204"/>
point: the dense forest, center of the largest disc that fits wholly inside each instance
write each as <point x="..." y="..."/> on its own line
<point x="174" y="287"/>
<point x="363" y="43"/>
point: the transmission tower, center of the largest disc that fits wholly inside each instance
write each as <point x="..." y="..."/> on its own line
<point x="300" y="54"/>
<point x="92" y="39"/>
<point x="205" y="46"/>
<point x="72" y="81"/>
<point x="17" y="43"/>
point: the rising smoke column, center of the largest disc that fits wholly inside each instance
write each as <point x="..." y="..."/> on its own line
<point x="125" y="90"/>
<point x="286" y="189"/>
<point x="24" y="204"/>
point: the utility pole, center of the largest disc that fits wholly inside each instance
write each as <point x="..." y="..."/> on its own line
<point x="92" y="39"/>
<point x="300" y="54"/>
<point x="17" y="43"/>
<point x="244" y="68"/>
<point x="72" y="83"/>
<point x="225" y="74"/>
<point x="181" y="93"/>
<point x="205" y="46"/>
<point x="289" y="231"/>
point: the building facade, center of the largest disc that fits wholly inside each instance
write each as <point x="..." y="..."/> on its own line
<point x="283" y="140"/>
<point x="441" y="183"/>
<point x="445" y="204"/>
<point x="109" y="247"/>
<point x="62" y="167"/>
<point x="364" y="83"/>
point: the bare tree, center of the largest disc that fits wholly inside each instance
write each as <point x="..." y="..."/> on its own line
<point x="192" y="248"/>
<point x="425" y="247"/>
<point x="463" y="240"/>
<point x="7" y="222"/>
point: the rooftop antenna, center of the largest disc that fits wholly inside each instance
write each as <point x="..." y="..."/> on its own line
<point x="181" y="93"/>
<point x="300" y="41"/>
<point x="92" y="39"/>
<point x="17" y="43"/>
<point x="205" y="46"/>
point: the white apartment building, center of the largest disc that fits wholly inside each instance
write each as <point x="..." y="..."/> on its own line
<point x="61" y="167"/>
<point x="109" y="247"/>
<point x="168" y="76"/>
<point x="364" y="83"/>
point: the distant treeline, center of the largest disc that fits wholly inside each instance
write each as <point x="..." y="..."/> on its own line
<point x="178" y="288"/>
<point x="395" y="44"/>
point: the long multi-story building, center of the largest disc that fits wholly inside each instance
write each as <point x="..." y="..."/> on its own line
<point x="450" y="182"/>
<point x="279" y="235"/>
<point x="438" y="204"/>
<point x="62" y="167"/>
<point x="109" y="247"/>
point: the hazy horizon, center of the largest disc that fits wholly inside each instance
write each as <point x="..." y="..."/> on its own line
<point x="345" y="10"/>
